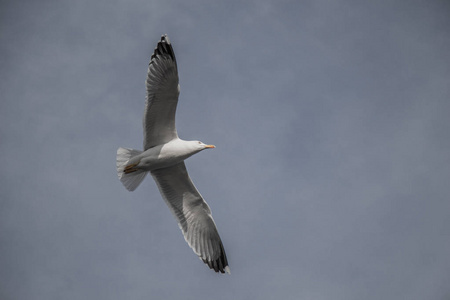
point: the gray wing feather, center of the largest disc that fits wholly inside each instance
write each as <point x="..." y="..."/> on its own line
<point x="193" y="215"/>
<point x="162" y="96"/>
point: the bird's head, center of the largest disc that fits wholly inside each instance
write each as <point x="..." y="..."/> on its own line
<point x="202" y="146"/>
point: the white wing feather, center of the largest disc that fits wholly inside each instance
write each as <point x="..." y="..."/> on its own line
<point x="162" y="96"/>
<point x="193" y="215"/>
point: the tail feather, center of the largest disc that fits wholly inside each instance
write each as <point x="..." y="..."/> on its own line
<point x="131" y="180"/>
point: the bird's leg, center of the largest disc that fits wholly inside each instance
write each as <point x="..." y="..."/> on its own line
<point x="130" y="168"/>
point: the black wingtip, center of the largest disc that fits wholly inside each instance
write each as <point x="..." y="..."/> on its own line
<point x="164" y="49"/>
<point x="220" y="264"/>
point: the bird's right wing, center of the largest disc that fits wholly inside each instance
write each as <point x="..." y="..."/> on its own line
<point x="162" y="96"/>
<point x="193" y="215"/>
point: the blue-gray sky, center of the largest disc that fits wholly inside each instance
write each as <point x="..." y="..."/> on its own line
<point x="330" y="179"/>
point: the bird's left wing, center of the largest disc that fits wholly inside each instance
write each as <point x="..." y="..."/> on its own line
<point x="162" y="96"/>
<point x="193" y="215"/>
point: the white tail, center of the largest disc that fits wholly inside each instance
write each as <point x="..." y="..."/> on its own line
<point x="132" y="180"/>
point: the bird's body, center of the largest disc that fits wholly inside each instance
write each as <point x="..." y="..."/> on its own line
<point x="163" y="156"/>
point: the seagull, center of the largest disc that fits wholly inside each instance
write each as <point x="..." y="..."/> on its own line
<point x="163" y="156"/>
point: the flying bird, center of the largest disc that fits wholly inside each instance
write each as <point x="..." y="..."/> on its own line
<point x="163" y="156"/>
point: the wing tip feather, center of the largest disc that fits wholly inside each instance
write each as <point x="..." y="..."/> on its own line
<point x="163" y="48"/>
<point x="227" y="270"/>
<point x="220" y="264"/>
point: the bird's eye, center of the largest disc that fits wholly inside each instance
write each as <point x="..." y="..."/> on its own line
<point x="199" y="142"/>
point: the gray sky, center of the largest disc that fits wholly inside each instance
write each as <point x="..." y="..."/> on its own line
<point x="330" y="179"/>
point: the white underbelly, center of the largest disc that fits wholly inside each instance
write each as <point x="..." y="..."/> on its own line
<point x="160" y="157"/>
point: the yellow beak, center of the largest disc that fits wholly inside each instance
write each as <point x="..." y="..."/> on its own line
<point x="210" y="146"/>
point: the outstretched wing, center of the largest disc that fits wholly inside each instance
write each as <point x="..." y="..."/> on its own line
<point x="162" y="96"/>
<point x="193" y="215"/>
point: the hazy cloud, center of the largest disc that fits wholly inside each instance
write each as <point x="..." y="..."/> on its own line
<point x="329" y="180"/>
